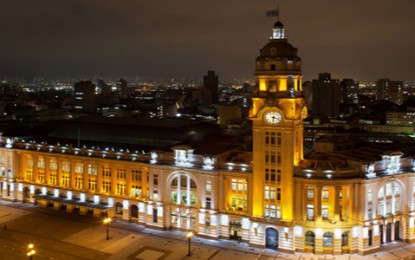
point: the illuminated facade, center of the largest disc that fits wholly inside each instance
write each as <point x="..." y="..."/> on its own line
<point x="329" y="202"/>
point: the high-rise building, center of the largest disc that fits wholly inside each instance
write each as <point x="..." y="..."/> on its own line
<point x="84" y="97"/>
<point x="122" y="88"/>
<point x="211" y="82"/>
<point x="326" y="95"/>
<point x="350" y="91"/>
<point x="391" y="90"/>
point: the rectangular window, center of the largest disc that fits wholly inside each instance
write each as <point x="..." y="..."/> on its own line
<point x="208" y="187"/>
<point x="92" y="169"/>
<point x="79" y="168"/>
<point x="325" y="193"/>
<point x="106" y="172"/>
<point x="121" y="174"/>
<point x="41" y="163"/>
<point x="310" y="212"/>
<point x="66" y="166"/>
<point x="92" y="185"/>
<point x="233" y="185"/>
<point x="325" y="212"/>
<point x="79" y="182"/>
<point x="310" y="192"/>
<point x="53" y="165"/>
<point x="155" y="179"/>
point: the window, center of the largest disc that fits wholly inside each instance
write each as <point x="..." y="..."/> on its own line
<point x="328" y="239"/>
<point x="310" y="238"/>
<point x="106" y="172"/>
<point x="155" y="179"/>
<point x="345" y="238"/>
<point x="53" y="165"/>
<point x="121" y="188"/>
<point x="208" y="187"/>
<point x="92" y="185"/>
<point x="136" y="191"/>
<point x="233" y="185"/>
<point x="325" y="193"/>
<point x="325" y="212"/>
<point x="106" y="186"/>
<point x="121" y="174"/>
<point x="310" y="192"/>
<point x="79" y="168"/>
<point x="79" y="182"/>
<point x="272" y="67"/>
<point x="310" y="212"/>
<point x="66" y="166"/>
<point x="92" y="169"/>
<point x="53" y="178"/>
<point x="65" y="180"/>
<point x="41" y="163"/>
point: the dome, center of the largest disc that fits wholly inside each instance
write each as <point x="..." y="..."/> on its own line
<point x="278" y="48"/>
<point x="278" y="24"/>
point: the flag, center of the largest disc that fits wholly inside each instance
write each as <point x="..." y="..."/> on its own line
<point x="273" y="13"/>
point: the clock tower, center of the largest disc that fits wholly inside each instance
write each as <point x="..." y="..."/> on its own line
<point x="277" y="113"/>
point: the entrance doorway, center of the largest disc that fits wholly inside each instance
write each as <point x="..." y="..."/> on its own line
<point x="235" y="229"/>
<point x="271" y="238"/>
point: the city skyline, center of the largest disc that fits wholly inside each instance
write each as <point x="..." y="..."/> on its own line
<point x="359" y="40"/>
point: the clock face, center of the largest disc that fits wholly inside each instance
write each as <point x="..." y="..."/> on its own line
<point x="273" y="117"/>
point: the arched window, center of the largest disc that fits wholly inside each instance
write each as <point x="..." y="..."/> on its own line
<point x="134" y="211"/>
<point x="389" y="197"/>
<point x="310" y="238"/>
<point x="345" y="238"/>
<point x="328" y="239"/>
<point x="183" y="190"/>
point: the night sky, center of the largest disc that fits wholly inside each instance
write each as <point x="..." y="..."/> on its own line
<point x="361" y="39"/>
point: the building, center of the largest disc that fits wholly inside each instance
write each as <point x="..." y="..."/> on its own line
<point x="326" y="95"/>
<point x="390" y="90"/>
<point x="84" y="97"/>
<point x="211" y="82"/>
<point x="335" y="200"/>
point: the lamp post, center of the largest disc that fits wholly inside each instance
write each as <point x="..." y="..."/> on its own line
<point x="189" y="239"/>
<point x="31" y="251"/>
<point x="107" y="222"/>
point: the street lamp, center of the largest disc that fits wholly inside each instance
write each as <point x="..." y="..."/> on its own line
<point x="31" y="251"/>
<point x="189" y="239"/>
<point x="107" y="221"/>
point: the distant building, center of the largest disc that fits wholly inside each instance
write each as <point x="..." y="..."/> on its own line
<point x="403" y="118"/>
<point x="211" y="82"/>
<point x="391" y="90"/>
<point x="350" y="91"/>
<point x="84" y="97"/>
<point x="122" y="88"/>
<point x="326" y="95"/>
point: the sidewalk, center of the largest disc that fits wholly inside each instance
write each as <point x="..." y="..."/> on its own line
<point x="134" y="241"/>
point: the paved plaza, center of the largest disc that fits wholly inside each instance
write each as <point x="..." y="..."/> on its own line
<point x="60" y="235"/>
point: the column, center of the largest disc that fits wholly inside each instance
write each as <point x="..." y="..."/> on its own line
<point x="336" y="202"/>
<point x="47" y="169"/>
<point x="179" y="195"/>
<point x="35" y="170"/>
<point x="318" y="202"/>
<point x="188" y="191"/>
<point x="99" y="178"/>
<point x="59" y="172"/>
<point x="85" y="175"/>
<point x="72" y="175"/>
<point x="114" y="179"/>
